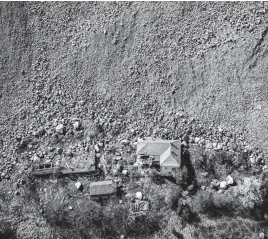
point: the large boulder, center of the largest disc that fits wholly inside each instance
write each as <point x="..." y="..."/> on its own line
<point x="223" y="185"/>
<point x="60" y="128"/>
<point x="79" y="186"/>
<point x="229" y="180"/>
<point x="139" y="195"/>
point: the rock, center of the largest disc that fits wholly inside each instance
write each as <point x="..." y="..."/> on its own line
<point x="205" y="174"/>
<point x="40" y="154"/>
<point x="214" y="184"/>
<point x="59" y="150"/>
<point x="17" y="192"/>
<point x="124" y="172"/>
<point x="214" y="145"/>
<point x="23" y="181"/>
<point x="229" y="180"/>
<point x="191" y="187"/>
<point x="97" y="149"/>
<point x="139" y="195"/>
<point x="261" y="236"/>
<point x="196" y="140"/>
<point x="98" y="155"/>
<point x="223" y="185"/>
<point x="220" y="191"/>
<point x="36" y="159"/>
<point x="125" y="142"/>
<point x="60" y="128"/>
<point x="79" y="186"/>
<point x="219" y="147"/>
<point x="209" y="145"/>
<point x="77" y="125"/>
<point x="70" y="207"/>
<point x="203" y="187"/>
<point x="264" y="168"/>
<point x="252" y="159"/>
<point x="185" y="193"/>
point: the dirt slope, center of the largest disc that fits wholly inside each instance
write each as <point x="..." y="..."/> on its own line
<point x="207" y="58"/>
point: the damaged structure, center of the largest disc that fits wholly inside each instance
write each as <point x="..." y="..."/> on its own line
<point x="102" y="189"/>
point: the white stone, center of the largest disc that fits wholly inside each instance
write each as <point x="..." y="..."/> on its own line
<point x="229" y="180"/>
<point x="252" y="159"/>
<point x="139" y="195"/>
<point x="36" y="159"/>
<point x="78" y="185"/>
<point x="60" y="129"/>
<point x="125" y="142"/>
<point x="76" y="125"/>
<point x="219" y="147"/>
<point x="209" y="145"/>
<point x="124" y="172"/>
<point x="265" y="167"/>
<point x="196" y="140"/>
<point x="97" y="149"/>
<point x="223" y="185"/>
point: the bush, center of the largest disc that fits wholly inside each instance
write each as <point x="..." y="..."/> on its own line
<point x="249" y="192"/>
<point x="172" y="197"/>
<point x="214" y="204"/>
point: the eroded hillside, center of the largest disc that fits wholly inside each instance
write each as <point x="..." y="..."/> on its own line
<point x="127" y="70"/>
<point x="207" y="58"/>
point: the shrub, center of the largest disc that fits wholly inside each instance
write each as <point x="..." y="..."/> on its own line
<point x="172" y="197"/>
<point x="214" y="204"/>
<point x="249" y="193"/>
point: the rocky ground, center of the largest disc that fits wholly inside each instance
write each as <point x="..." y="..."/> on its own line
<point x="78" y="74"/>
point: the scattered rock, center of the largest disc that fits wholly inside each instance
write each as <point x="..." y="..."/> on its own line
<point x="60" y="129"/>
<point x="191" y="187"/>
<point x="229" y="180"/>
<point x="125" y="142"/>
<point x="223" y="185"/>
<point x="79" y="186"/>
<point x="124" y="172"/>
<point x="77" y="125"/>
<point x="261" y="236"/>
<point x="97" y="149"/>
<point x="205" y="174"/>
<point x="98" y="155"/>
<point x="214" y="184"/>
<point x="139" y="195"/>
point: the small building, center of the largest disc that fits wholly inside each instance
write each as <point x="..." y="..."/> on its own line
<point x="102" y="189"/>
<point x="165" y="153"/>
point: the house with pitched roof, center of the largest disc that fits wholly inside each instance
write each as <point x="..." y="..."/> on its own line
<point x="166" y="153"/>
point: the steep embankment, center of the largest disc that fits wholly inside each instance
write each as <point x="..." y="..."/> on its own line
<point x="64" y="60"/>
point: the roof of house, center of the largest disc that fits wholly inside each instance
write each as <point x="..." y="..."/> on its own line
<point x="168" y="150"/>
<point x="102" y="188"/>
